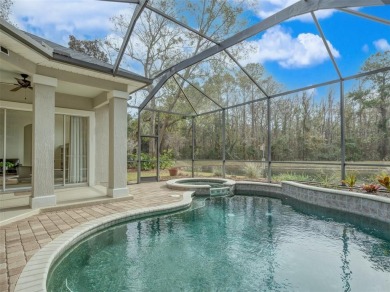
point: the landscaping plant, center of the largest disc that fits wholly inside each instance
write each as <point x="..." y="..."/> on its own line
<point x="371" y="188"/>
<point x="350" y="180"/>
<point x="291" y="177"/>
<point x="384" y="180"/>
<point x="167" y="159"/>
<point x="327" y="179"/>
<point x="251" y="170"/>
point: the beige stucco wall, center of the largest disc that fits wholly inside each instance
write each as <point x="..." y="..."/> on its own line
<point x="73" y="102"/>
<point x="117" y="182"/>
<point x="102" y="140"/>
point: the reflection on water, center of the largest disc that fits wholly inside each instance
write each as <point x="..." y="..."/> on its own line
<point x="346" y="272"/>
<point x="238" y="244"/>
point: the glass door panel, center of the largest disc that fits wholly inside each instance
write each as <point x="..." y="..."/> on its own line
<point x="59" y="157"/>
<point x="75" y="149"/>
<point x="2" y="166"/>
<point x="18" y="150"/>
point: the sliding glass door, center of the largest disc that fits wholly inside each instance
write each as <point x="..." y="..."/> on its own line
<point x="71" y="147"/>
<point x="15" y="149"/>
<point x="77" y="133"/>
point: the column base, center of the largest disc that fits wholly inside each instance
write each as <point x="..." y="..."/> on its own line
<point x="118" y="193"/>
<point x="43" y="201"/>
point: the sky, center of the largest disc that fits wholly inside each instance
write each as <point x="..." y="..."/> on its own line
<point x="293" y="51"/>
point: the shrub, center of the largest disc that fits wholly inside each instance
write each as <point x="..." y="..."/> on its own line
<point x="291" y="177"/>
<point x="371" y="188"/>
<point x="217" y="172"/>
<point x="166" y="159"/>
<point x="147" y="162"/>
<point x="327" y="179"/>
<point x="252" y="170"/>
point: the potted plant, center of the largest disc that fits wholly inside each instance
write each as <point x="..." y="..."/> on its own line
<point x="173" y="171"/>
<point x="7" y="165"/>
<point x="167" y="162"/>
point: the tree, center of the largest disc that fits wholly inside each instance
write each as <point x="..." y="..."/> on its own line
<point x="6" y="9"/>
<point x="157" y="43"/>
<point x="92" y="48"/>
<point x="373" y="92"/>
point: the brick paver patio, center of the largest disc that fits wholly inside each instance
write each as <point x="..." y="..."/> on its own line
<point x="20" y="240"/>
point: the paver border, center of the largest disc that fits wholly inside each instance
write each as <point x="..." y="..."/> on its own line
<point x="34" y="275"/>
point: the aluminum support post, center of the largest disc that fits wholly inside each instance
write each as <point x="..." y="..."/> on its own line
<point x="342" y="130"/>
<point x="223" y="143"/>
<point x="139" y="149"/>
<point x="193" y="147"/>
<point x="269" y="138"/>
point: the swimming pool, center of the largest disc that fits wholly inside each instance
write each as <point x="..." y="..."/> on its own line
<point x="237" y="243"/>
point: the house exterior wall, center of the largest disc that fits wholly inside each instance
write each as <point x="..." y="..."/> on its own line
<point x="16" y="146"/>
<point x="74" y="102"/>
<point x="102" y="140"/>
<point x="117" y="171"/>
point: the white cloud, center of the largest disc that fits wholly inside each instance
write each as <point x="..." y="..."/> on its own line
<point x="365" y="48"/>
<point x="278" y="45"/>
<point x="311" y="92"/>
<point x="382" y="45"/>
<point x="320" y="14"/>
<point x="266" y="8"/>
<point x="56" y="19"/>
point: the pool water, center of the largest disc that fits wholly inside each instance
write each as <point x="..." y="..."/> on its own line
<point x="239" y="243"/>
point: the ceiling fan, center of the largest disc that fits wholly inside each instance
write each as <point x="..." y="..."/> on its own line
<point x="22" y="83"/>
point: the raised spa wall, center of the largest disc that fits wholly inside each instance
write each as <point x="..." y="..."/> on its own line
<point x="371" y="206"/>
<point x="202" y="190"/>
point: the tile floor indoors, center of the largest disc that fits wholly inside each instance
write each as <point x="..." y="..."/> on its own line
<point x="20" y="240"/>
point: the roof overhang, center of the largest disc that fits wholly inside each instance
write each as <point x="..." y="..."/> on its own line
<point x="30" y="56"/>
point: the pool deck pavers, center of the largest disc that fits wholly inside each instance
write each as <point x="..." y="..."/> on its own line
<point x="20" y="240"/>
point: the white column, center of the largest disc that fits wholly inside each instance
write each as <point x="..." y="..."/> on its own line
<point x="43" y="142"/>
<point x="117" y="166"/>
<point x="102" y="147"/>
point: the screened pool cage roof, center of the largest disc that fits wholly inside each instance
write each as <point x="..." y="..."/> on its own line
<point x="209" y="67"/>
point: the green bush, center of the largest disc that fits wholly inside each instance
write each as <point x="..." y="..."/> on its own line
<point x="166" y="159"/>
<point x="148" y="162"/>
<point x="217" y="171"/>
<point x="252" y="170"/>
